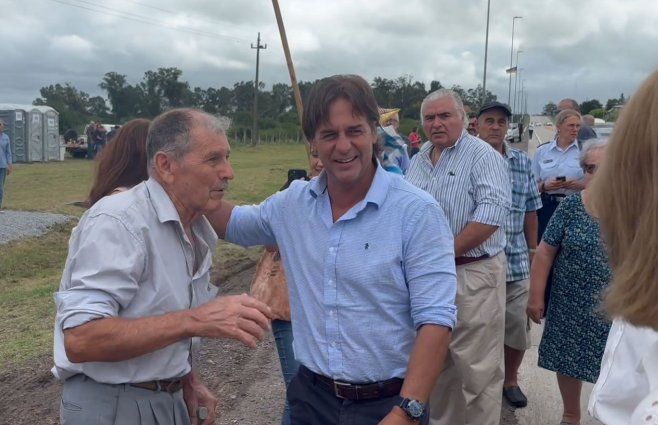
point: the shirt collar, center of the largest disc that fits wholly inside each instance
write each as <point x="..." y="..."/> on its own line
<point x="553" y="145"/>
<point x="164" y="207"/>
<point x="426" y="148"/>
<point x="376" y="193"/>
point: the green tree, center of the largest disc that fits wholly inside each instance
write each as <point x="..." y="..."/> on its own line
<point x="126" y="100"/>
<point x="598" y="113"/>
<point x="71" y="103"/>
<point x="550" y="109"/>
<point x="589" y="105"/>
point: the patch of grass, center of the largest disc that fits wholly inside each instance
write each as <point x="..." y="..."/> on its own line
<point x="30" y="269"/>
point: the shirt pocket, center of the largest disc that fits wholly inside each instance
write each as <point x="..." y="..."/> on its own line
<point x="547" y="170"/>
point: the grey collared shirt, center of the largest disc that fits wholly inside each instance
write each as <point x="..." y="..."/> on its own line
<point x="129" y="257"/>
<point x="470" y="182"/>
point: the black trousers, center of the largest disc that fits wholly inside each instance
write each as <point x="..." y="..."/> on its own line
<point x="311" y="404"/>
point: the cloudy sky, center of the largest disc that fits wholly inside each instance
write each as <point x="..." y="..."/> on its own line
<point x="578" y="48"/>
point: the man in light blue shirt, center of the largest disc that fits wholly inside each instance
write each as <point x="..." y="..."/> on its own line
<point x="5" y="160"/>
<point x="370" y="266"/>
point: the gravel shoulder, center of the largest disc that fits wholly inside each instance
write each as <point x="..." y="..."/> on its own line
<point x="20" y="224"/>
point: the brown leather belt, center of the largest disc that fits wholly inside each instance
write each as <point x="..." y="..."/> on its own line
<point x="460" y="261"/>
<point x="166" y="385"/>
<point x="348" y="391"/>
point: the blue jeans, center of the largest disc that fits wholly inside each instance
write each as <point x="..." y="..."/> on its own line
<point x="282" y="330"/>
<point x="3" y="174"/>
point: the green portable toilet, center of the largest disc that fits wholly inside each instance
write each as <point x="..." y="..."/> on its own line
<point x="14" y="117"/>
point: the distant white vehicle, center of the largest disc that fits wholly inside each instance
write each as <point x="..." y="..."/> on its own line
<point x="598" y="121"/>
<point x="513" y="133"/>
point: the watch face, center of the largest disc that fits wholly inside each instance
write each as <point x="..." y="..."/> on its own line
<point x="415" y="408"/>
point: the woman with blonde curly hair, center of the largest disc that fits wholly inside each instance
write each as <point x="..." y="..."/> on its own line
<point x="625" y="194"/>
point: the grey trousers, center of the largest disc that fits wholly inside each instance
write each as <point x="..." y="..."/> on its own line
<point x="87" y="402"/>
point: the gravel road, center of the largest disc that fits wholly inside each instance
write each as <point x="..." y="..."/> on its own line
<point x="19" y="224"/>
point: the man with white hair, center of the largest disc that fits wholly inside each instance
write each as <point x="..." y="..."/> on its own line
<point x="136" y="294"/>
<point x="469" y="180"/>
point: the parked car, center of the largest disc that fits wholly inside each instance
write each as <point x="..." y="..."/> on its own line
<point x="513" y="133"/>
<point x="603" y="131"/>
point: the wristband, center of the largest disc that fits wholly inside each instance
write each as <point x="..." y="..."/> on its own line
<point x="532" y="250"/>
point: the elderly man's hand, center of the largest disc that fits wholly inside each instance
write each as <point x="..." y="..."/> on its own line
<point x="197" y="395"/>
<point x="9" y="170"/>
<point x="238" y="317"/>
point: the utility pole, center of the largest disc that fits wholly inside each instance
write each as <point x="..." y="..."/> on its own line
<point x="511" y="64"/>
<point x="486" y="51"/>
<point x="254" y="130"/>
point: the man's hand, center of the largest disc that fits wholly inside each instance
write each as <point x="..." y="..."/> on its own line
<point x="198" y="395"/>
<point x="535" y="310"/>
<point x="9" y="170"/>
<point x="238" y="317"/>
<point x="397" y="417"/>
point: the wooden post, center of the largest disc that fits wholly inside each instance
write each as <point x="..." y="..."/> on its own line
<point x="291" y="71"/>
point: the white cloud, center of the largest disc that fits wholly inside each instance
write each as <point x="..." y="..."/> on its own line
<point x="584" y="49"/>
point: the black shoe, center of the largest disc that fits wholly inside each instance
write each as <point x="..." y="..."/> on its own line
<point x="515" y="396"/>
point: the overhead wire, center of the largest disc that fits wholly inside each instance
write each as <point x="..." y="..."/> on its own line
<point x="94" y="7"/>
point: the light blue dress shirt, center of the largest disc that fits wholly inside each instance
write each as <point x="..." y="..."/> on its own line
<point x="551" y="161"/>
<point x="5" y="151"/>
<point x="129" y="257"/>
<point x="359" y="287"/>
<point x="471" y="183"/>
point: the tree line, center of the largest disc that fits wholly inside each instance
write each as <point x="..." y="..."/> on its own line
<point x="164" y="89"/>
<point x="593" y="107"/>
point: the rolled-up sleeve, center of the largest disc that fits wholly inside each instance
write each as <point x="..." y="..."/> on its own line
<point x="429" y="264"/>
<point x="102" y="273"/>
<point x="251" y="225"/>
<point x="493" y="195"/>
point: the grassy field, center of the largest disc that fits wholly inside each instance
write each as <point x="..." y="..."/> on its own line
<point x="30" y="268"/>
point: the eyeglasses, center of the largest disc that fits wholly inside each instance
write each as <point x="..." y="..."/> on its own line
<point x="590" y="168"/>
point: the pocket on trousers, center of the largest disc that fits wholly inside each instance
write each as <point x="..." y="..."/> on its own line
<point x="70" y="406"/>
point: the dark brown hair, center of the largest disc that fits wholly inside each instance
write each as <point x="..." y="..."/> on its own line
<point x="123" y="161"/>
<point x="325" y="92"/>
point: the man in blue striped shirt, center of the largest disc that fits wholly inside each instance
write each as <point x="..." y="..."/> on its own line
<point x="521" y="230"/>
<point x="370" y="266"/>
<point x="469" y="180"/>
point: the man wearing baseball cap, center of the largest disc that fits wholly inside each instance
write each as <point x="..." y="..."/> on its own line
<point x="521" y="231"/>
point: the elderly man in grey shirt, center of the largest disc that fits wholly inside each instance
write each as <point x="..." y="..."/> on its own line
<point x="136" y="292"/>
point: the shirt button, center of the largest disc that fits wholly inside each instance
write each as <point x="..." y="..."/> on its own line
<point x="332" y="313"/>
<point x="331" y="282"/>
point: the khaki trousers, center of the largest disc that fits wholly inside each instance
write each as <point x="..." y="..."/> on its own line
<point x="469" y="390"/>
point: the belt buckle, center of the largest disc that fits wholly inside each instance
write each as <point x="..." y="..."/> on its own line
<point x="338" y="385"/>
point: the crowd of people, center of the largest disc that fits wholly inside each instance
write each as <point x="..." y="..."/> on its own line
<point x="400" y="290"/>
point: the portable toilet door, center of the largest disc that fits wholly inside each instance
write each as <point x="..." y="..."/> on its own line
<point x="50" y="133"/>
<point x="16" y="130"/>
<point x="35" y="135"/>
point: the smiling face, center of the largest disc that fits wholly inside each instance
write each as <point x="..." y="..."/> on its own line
<point x="200" y="178"/>
<point x="442" y="122"/>
<point x="345" y="144"/>
<point x="492" y="127"/>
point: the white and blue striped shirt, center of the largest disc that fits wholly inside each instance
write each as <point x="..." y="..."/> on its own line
<point x="470" y="182"/>
<point x="361" y="286"/>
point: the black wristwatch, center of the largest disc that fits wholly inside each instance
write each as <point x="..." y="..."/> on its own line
<point x="414" y="409"/>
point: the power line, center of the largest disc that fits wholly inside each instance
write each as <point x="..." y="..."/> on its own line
<point x="93" y="7"/>
<point x="173" y="12"/>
